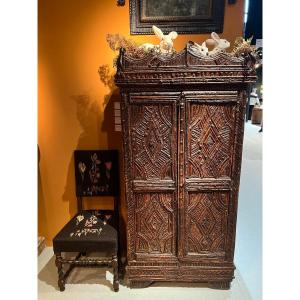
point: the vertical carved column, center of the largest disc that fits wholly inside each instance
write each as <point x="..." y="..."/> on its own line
<point x="116" y="273"/>
<point x="181" y="172"/>
<point x="61" y="280"/>
<point x="127" y="174"/>
<point x="238" y="150"/>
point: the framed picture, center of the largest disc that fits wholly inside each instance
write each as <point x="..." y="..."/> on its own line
<point x="96" y="173"/>
<point x="183" y="16"/>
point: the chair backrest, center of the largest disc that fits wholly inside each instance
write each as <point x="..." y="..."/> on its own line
<point x="97" y="174"/>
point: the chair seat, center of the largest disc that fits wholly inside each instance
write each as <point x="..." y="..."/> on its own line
<point x="86" y="232"/>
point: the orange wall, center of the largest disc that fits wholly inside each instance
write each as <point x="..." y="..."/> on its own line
<point x="72" y="108"/>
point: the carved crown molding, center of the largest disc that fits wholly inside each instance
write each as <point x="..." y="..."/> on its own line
<point x="186" y="66"/>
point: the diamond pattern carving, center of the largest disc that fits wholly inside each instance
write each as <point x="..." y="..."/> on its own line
<point x="206" y="222"/>
<point x="211" y="129"/>
<point x="152" y="134"/>
<point x="154" y="223"/>
<point x="153" y="142"/>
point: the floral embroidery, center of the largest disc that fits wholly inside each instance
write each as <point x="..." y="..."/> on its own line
<point x="95" y="171"/>
<point x="79" y="219"/>
<point x="90" y="222"/>
<point x="82" y="168"/>
<point x="85" y="231"/>
<point x="108" y="166"/>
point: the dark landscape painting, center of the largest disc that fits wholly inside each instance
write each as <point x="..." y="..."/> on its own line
<point x="182" y="16"/>
<point x="96" y="173"/>
<point x="176" y="8"/>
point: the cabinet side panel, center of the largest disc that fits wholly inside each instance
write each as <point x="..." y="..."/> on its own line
<point x="125" y="117"/>
<point x="236" y="171"/>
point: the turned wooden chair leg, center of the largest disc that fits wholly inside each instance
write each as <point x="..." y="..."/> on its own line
<point x="61" y="279"/>
<point x="121" y="268"/>
<point x="116" y="273"/>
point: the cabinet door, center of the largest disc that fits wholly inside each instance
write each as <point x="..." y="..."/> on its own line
<point x="151" y="194"/>
<point x="208" y="191"/>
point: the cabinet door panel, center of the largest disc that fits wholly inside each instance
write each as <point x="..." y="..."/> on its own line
<point x="209" y="140"/>
<point x="210" y="134"/>
<point x="206" y="223"/>
<point x="155" y="223"/>
<point x="152" y="138"/>
<point x="153" y="176"/>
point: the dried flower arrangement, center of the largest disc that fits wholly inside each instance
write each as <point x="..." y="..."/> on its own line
<point x="118" y="41"/>
<point x="242" y="47"/>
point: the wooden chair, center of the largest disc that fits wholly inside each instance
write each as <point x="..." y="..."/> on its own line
<point x="91" y="230"/>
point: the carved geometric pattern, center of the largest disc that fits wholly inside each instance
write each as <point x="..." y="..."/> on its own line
<point x="206" y="222"/>
<point x="211" y="130"/>
<point x="151" y="139"/>
<point x="154" y="223"/>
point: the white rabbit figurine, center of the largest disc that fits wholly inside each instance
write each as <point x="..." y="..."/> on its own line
<point x="202" y="48"/>
<point x="220" y="44"/>
<point x="166" y="41"/>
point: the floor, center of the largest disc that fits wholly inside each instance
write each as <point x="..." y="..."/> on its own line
<point x="96" y="283"/>
<point x="248" y="248"/>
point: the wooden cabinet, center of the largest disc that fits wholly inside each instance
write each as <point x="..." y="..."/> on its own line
<point x="182" y="120"/>
<point x="257" y="115"/>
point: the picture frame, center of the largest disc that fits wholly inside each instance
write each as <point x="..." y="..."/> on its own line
<point x="182" y="16"/>
<point x="96" y="173"/>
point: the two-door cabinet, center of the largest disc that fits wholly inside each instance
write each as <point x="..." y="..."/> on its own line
<point x="183" y="124"/>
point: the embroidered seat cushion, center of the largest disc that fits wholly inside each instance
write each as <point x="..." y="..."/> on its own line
<point x="86" y="232"/>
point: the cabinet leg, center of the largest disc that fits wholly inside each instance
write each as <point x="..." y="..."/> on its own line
<point x="61" y="277"/>
<point x="116" y="273"/>
<point x="220" y="285"/>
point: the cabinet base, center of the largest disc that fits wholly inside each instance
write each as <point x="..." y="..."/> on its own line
<point x="215" y="276"/>
<point x="139" y="284"/>
<point x="220" y="285"/>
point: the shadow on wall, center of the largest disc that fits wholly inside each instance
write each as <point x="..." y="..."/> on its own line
<point x="42" y="226"/>
<point x="89" y="113"/>
<point x="114" y="141"/>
